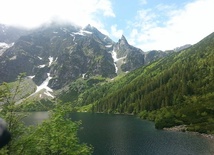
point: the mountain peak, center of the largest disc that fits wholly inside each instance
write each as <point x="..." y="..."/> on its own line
<point x="88" y="28"/>
<point x="123" y="40"/>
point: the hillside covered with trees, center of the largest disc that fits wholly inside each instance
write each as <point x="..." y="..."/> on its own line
<point x="175" y="90"/>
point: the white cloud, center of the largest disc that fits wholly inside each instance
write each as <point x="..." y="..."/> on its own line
<point x="133" y="35"/>
<point x="31" y="13"/>
<point x="148" y="19"/>
<point x="181" y="26"/>
<point x="105" y="5"/>
<point x="115" y="32"/>
<point x="143" y="2"/>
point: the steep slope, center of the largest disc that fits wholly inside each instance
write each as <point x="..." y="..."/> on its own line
<point x="174" y="90"/>
<point x="56" y="55"/>
<point x="177" y="49"/>
<point x="66" y="52"/>
<point x="153" y="55"/>
<point x="9" y="34"/>
<point x="130" y="57"/>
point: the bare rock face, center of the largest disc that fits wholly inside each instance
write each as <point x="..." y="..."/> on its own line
<point x="64" y="52"/>
<point x="133" y="57"/>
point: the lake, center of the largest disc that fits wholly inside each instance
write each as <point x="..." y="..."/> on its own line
<point x="128" y="135"/>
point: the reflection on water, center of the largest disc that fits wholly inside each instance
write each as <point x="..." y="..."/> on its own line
<point x="128" y="135"/>
<point x="34" y="118"/>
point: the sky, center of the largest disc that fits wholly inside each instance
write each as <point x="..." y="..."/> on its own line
<point x="146" y="24"/>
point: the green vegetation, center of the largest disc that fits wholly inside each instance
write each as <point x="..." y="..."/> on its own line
<point x="55" y="136"/>
<point x="78" y="87"/>
<point x="196" y="113"/>
<point x="36" y="105"/>
<point x="26" y="85"/>
<point x="175" y="90"/>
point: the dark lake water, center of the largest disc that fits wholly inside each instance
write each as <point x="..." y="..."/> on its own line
<point x="128" y="135"/>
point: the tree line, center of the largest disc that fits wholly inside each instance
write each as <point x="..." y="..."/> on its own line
<point x="55" y="136"/>
<point x="183" y="79"/>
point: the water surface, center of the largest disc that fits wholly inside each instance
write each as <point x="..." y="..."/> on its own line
<point x="128" y="135"/>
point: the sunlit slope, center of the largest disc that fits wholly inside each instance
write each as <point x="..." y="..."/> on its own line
<point x="183" y="81"/>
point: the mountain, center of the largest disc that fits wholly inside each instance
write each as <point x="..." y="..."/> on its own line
<point x="9" y="34"/>
<point x="131" y="56"/>
<point x="64" y="53"/>
<point x="80" y="65"/>
<point x="175" y="90"/>
<point x="153" y="55"/>
<point x="177" y="49"/>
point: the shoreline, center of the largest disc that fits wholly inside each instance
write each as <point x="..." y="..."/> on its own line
<point x="183" y="128"/>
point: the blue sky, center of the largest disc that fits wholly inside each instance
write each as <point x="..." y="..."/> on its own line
<point x="147" y="24"/>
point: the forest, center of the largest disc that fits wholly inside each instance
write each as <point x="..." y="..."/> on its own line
<point x="176" y="90"/>
<point x="55" y="136"/>
<point x="172" y="91"/>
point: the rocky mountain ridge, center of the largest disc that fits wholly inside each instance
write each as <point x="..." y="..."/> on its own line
<point x="64" y="53"/>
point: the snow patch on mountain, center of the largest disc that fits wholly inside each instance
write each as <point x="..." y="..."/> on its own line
<point x="82" y="32"/>
<point x="31" y="77"/>
<point x="108" y="46"/>
<point x="114" y="56"/>
<point x="44" y="86"/>
<point x="83" y="75"/>
<point x="65" y="30"/>
<point x="4" y="46"/>
<point x="50" y="61"/>
<point x="116" y="68"/>
<point x="41" y="66"/>
<point x="48" y="94"/>
<point x="13" y="58"/>
<point x="88" y="32"/>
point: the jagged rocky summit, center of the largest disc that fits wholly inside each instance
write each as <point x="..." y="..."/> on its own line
<point x="63" y="53"/>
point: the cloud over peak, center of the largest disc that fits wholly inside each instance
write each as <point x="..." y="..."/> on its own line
<point x="32" y="13"/>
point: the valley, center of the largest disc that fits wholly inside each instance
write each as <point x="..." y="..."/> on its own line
<point x="107" y="77"/>
<point x="88" y="72"/>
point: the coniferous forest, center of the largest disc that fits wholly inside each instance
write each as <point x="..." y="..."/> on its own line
<point x="97" y="77"/>
<point x="176" y="90"/>
<point x="172" y="91"/>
